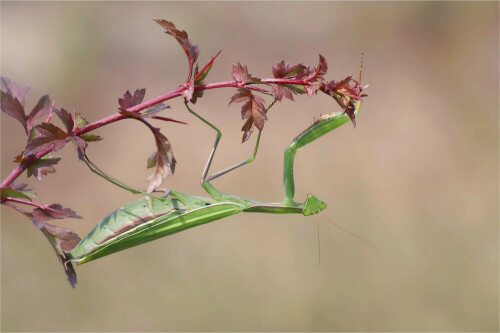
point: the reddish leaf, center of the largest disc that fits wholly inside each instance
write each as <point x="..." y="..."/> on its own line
<point x="81" y="145"/>
<point x="42" y="167"/>
<point x="240" y="73"/>
<point x="181" y="36"/>
<point x="67" y="239"/>
<point x="322" y="67"/>
<point x="163" y="162"/>
<point x="247" y="129"/>
<point x="130" y="100"/>
<point x="312" y="88"/>
<point x="56" y="245"/>
<point x="19" y="186"/>
<point x="13" y="89"/>
<point x="253" y="109"/>
<point x="130" y="114"/>
<point x="346" y="92"/>
<point x="197" y="94"/>
<point x="241" y="96"/>
<point x="285" y="70"/>
<point x="51" y="135"/>
<point x="41" y="109"/>
<point x="41" y="216"/>
<point x="281" y="91"/>
<point x="66" y="118"/>
<point x="13" y="107"/>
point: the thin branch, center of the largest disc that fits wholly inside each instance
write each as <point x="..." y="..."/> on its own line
<point x="30" y="203"/>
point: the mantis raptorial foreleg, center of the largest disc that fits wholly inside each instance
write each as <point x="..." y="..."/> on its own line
<point x="320" y="127"/>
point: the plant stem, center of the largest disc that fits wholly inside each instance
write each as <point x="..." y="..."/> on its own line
<point x="139" y="107"/>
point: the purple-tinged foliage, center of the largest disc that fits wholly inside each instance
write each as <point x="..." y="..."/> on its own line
<point x="45" y="138"/>
<point x="253" y="110"/>
<point x="56" y="212"/>
<point x="128" y="100"/>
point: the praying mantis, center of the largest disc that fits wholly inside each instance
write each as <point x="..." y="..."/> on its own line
<point x="151" y="217"/>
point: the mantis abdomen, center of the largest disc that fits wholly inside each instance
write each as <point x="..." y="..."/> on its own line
<point x="145" y="220"/>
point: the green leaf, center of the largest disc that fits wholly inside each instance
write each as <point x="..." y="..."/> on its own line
<point x="203" y="75"/>
<point x="8" y="192"/>
<point x="80" y="121"/>
<point x="90" y="137"/>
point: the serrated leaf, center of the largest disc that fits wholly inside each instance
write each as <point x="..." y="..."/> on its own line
<point x="253" y="109"/>
<point x="19" y="158"/>
<point x="66" y="119"/>
<point x="285" y="70"/>
<point x="15" y="90"/>
<point x="41" y="109"/>
<point x="12" y="106"/>
<point x="56" y="245"/>
<point x="312" y="88"/>
<point x="165" y="160"/>
<point x="281" y="91"/>
<point x="240" y="73"/>
<point x="56" y="212"/>
<point x="81" y="145"/>
<point x="80" y="121"/>
<point x="130" y="100"/>
<point x="9" y="192"/>
<point x="67" y="238"/>
<point x="247" y="129"/>
<point x="192" y="51"/>
<point x="51" y="135"/>
<point x="42" y="167"/>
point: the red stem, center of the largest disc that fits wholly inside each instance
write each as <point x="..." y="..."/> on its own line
<point x="206" y="66"/>
<point x="30" y="203"/>
<point x="139" y="107"/>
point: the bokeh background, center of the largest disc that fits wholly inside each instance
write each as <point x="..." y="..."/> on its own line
<point x="417" y="177"/>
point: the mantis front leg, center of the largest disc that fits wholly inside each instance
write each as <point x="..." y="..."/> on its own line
<point x="322" y="126"/>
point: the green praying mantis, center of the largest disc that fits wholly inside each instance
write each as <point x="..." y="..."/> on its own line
<point x="151" y="217"/>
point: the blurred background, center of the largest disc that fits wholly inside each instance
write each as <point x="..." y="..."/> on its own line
<point x="417" y="177"/>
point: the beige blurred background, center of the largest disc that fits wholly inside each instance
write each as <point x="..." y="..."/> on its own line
<point x="418" y="177"/>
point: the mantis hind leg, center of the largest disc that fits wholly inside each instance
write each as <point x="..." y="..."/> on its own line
<point x="205" y="179"/>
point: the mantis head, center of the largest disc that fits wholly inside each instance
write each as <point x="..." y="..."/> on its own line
<point x="313" y="205"/>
